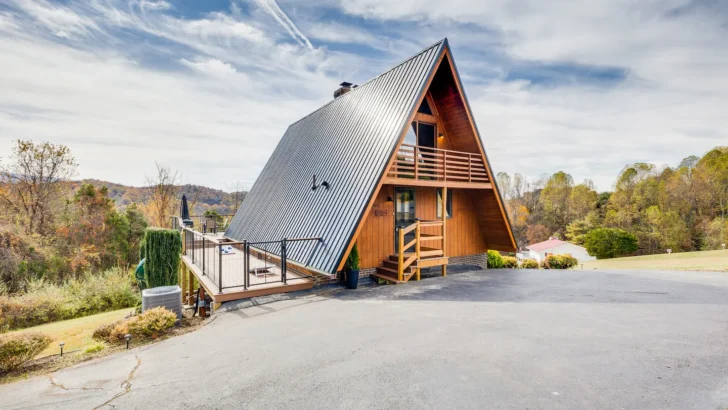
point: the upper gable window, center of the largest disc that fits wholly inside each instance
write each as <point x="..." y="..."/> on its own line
<point x="425" y="108"/>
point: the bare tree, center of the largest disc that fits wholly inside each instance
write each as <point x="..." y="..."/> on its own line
<point x="237" y="192"/>
<point x="33" y="185"/>
<point x="164" y="202"/>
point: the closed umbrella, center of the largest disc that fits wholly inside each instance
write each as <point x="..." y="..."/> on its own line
<point x="185" y="212"/>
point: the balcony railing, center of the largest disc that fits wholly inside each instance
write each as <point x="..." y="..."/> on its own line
<point x="433" y="164"/>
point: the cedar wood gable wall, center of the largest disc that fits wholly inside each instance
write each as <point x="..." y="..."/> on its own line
<point x="478" y="222"/>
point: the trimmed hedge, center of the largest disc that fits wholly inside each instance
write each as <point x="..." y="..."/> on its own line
<point x="559" y="262"/>
<point x="529" y="264"/>
<point x="161" y="250"/>
<point x="495" y="260"/>
<point x="20" y="348"/>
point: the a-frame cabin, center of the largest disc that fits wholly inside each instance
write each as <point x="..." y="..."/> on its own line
<point x="396" y="166"/>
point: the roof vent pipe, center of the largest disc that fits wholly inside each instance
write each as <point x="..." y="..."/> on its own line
<point x="344" y="88"/>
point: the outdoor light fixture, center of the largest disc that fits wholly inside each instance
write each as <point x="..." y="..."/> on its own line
<point x="441" y="135"/>
<point x="128" y="339"/>
<point x="723" y="245"/>
<point x="323" y="184"/>
<point x="61" y="345"/>
<point x="390" y="199"/>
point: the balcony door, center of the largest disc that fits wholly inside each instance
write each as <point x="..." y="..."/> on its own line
<point x="404" y="213"/>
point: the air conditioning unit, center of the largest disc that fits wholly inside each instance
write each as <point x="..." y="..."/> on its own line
<point x="169" y="297"/>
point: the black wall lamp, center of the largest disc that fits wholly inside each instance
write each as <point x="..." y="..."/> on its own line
<point x="323" y="184"/>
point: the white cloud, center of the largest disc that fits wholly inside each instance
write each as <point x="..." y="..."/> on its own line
<point x="209" y="66"/>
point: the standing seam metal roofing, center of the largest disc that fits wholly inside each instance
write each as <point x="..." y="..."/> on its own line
<point x="348" y="143"/>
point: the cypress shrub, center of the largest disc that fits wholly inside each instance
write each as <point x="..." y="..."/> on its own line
<point x="161" y="248"/>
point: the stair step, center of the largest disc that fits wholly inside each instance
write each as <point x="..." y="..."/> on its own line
<point x="392" y="272"/>
<point x="394" y="264"/>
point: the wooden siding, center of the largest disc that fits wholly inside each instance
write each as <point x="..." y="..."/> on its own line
<point x="464" y="229"/>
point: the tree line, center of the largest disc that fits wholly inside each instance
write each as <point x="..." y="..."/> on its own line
<point x="682" y="208"/>
<point x="54" y="229"/>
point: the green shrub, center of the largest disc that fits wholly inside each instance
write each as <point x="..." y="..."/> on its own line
<point x="509" y="262"/>
<point x="20" y="348"/>
<point x="152" y="323"/>
<point x="161" y="248"/>
<point x="96" y="347"/>
<point x="352" y="261"/>
<point x="112" y="332"/>
<point x="559" y="262"/>
<point x="45" y="302"/>
<point x="529" y="264"/>
<point x="495" y="260"/>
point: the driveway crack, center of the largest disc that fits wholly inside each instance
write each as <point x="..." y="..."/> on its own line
<point x="125" y="384"/>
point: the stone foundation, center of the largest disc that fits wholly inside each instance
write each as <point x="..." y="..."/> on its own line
<point x="479" y="259"/>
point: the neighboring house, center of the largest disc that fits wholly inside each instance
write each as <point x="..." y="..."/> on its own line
<point x="395" y="166"/>
<point x="539" y="251"/>
<point x="392" y="151"/>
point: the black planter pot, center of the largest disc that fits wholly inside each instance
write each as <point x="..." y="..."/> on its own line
<point x="351" y="279"/>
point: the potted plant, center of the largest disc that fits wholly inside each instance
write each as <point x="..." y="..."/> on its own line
<point x="351" y="269"/>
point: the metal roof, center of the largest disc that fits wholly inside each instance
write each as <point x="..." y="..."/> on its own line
<point x="346" y="143"/>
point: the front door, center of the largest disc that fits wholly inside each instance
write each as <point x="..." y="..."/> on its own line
<point x="404" y="213"/>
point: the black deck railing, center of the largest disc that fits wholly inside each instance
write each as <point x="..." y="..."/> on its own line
<point x="233" y="264"/>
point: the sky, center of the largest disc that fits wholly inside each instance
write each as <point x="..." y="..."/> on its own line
<point x="209" y="87"/>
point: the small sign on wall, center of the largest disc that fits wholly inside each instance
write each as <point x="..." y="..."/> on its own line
<point x="379" y="212"/>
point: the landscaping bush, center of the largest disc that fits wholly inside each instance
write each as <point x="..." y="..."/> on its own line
<point x="112" y="332"/>
<point x="495" y="260"/>
<point x="18" y="349"/>
<point x="45" y="302"/>
<point x="152" y="323"/>
<point x="161" y="249"/>
<point x="559" y="262"/>
<point x="529" y="264"/>
<point x="509" y="262"/>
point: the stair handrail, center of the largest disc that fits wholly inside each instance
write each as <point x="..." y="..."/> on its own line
<point x="403" y="264"/>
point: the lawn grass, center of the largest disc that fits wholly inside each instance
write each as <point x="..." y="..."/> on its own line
<point x="699" y="261"/>
<point x="77" y="333"/>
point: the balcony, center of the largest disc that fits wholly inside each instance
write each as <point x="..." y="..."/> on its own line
<point x="422" y="166"/>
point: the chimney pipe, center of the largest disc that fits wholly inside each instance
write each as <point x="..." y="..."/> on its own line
<point x="344" y="88"/>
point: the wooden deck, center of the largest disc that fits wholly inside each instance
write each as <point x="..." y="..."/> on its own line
<point x="260" y="285"/>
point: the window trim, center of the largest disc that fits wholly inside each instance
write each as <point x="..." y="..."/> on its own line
<point x="448" y="205"/>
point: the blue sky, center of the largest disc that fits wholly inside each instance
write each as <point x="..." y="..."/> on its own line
<point x="209" y="87"/>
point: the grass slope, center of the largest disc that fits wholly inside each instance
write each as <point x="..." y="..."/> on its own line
<point x="77" y="333"/>
<point x="701" y="261"/>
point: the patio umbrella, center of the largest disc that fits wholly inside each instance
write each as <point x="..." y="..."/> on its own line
<point x="185" y="211"/>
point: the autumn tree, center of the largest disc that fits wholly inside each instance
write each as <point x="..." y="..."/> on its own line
<point x="33" y="184"/>
<point x="555" y="201"/>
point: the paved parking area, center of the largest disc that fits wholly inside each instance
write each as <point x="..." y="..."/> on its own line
<point x="480" y="339"/>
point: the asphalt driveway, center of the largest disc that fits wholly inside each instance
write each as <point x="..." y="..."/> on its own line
<point x="480" y="339"/>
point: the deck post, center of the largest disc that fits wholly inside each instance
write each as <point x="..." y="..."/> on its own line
<point x="284" y="260"/>
<point x="444" y="227"/>
<point x="417" y="248"/>
<point x="417" y="162"/>
<point x="400" y="264"/>
<point x="246" y="264"/>
<point x="219" y="267"/>
<point x="190" y="285"/>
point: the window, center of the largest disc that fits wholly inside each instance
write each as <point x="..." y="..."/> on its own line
<point x="439" y="204"/>
<point x="425" y="108"/>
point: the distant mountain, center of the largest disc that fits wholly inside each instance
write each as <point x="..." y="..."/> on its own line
<point x="200" y="198"/>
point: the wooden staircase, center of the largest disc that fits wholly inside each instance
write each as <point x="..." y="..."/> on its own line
<point x="412" y="257"/>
